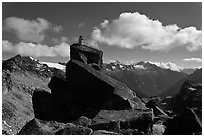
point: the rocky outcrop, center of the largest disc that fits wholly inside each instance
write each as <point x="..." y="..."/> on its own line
<point x="190" y="96"/>
<point x="101" y="90"/>
<point x="83" y="121"/>
<point x="26" y="64"/>
<point x="156" y="110"/>
<point x="20" y="76"/>
<point x="185" y="123"/>
<point x="85" y="54"/>
<point x="85" y="91"/>
<point x="49" y="107"/>
<point x="40" y="127"/>
<point x="123" y="120"/>
<point x="89" y="99"/>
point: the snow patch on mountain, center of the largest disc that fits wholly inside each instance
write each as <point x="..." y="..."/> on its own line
<point x="113" y="67"/>
<point x="139" y="66"/>
<point x="54" y="65"/>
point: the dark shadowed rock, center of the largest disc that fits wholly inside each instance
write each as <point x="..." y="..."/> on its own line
<point x="83" y="121"/>
<point x="86" y="54"/>
<point x="57" y="85"/>
<point x="95" y="66"/>
<point x="190" y="96"/>
<point x="58" y="73"/>
<point x="123" y="119"/>
<point x="50" y="107"/>
<point x="40" y="127"/>
<point x="109" y="126"/>
<point x="131" y="132"/>
<point x="100" y="89"/>
<point x="156" y="110"/>
<point x="72" y="129"/>
<point x="185" y="123"/>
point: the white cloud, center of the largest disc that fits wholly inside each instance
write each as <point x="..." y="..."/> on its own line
<point x="29" y="30"/>
<point x="193" y="59"/>
<point x="166" y="65"/>
<point x="132" y="30"/>
<point x="92" y="43"/>
<point x="36" y="50"/>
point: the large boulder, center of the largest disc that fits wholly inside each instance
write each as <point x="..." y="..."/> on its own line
<point x="86" y="54"/>
<point x="116" y="121"/>
<point x="49" y="107"/>
<point x="40" y="127"/>
<point x="99" y="89"/>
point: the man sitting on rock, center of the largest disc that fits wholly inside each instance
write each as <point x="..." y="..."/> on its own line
<point x="80" y="40"/>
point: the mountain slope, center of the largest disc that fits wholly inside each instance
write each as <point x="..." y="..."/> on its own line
<point x="20" y="77"/>
<point x="190" y="96"/>
<point x="144" y="78"/>
<point x="175" y="88"/>
<point x="188" y="70"/>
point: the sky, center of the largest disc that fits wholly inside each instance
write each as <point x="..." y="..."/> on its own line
<point x="165" y="33"/>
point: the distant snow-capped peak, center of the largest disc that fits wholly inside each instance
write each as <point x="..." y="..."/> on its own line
<point x="33" y="59"/>
<point x="54" y="65"/>
<point x="49" y="64"/>
<point x="166" y="65"/>
<point x="140" y="65"/>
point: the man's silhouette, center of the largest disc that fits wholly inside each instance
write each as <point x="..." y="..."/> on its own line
<point x="80" y="40"/>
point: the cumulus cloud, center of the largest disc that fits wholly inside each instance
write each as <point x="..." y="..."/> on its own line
<point x="92" y="43"/>
<point x="29" y="30"/>
<point x="166" y="65"/>
<point x="36" y="50"/>
<point x="132" y="30"/>
<point x="193" y="59"/>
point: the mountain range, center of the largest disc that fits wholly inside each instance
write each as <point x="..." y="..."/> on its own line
<point x="144" y="78"/>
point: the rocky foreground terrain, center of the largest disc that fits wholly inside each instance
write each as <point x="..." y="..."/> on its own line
<point x="84" y="100"/>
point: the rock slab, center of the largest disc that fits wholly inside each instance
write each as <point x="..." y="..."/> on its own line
<point x="85" y="54"/>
